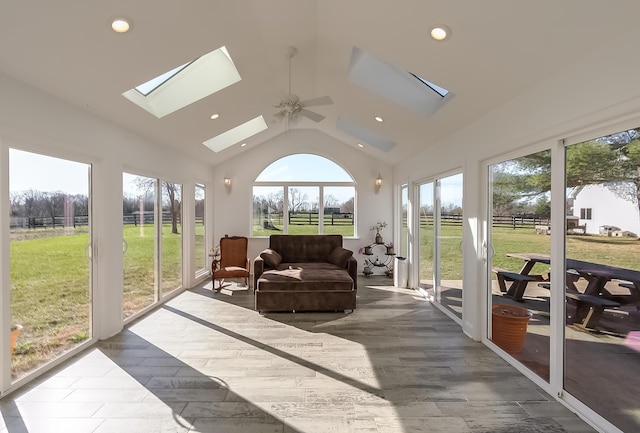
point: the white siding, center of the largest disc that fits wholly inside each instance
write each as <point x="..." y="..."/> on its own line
<point x="606" y="209"/>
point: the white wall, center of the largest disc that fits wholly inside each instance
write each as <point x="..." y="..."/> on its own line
<point x="232" y="211"/>
<point x="34" y="121"/>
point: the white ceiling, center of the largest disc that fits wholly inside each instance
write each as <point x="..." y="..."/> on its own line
<point x="499" y="49"/>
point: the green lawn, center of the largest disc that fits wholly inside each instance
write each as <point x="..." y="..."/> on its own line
<point x="622" y="252"/>
<point x="50" y="286"/>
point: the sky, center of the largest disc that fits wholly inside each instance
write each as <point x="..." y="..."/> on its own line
<point x="32" y="171"/>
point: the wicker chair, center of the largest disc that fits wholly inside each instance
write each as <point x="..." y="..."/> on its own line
<point x="233" y="262"/>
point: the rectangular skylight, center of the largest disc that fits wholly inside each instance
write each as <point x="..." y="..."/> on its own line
<point x="186" y="84"/>
<point x="441" y="91"/>
<point x="153" y="84"/>
<point x="236" y="135"/>
<point x="393" y="83"/>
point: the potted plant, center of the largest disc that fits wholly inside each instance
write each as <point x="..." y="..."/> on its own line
<point x="377" y="227"/>
<point x="367" y="268"/>
<point x="390" y="250"/>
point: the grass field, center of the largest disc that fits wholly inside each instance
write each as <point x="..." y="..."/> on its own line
<point x="621" y="252"/>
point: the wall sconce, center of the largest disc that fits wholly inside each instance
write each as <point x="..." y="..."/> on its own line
<point x="378" y="182"/>
<point x="227" y="183"/>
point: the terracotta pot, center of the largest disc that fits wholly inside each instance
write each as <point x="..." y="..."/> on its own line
<point x="15" y="331"/>
<point x="509" y="326"/>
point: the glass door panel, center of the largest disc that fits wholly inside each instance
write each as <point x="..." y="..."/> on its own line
<point x="449" y="244"/>
<point x="426" y="237"/>
<point x="403" y="248"/>
<point x="199" y="230"/>
<point x="139" y="236"/>
<point x="519" y="262"/>
<point x="50" y="265"/>
<point x="602" y="290"/>
<point x="171" y="246"/>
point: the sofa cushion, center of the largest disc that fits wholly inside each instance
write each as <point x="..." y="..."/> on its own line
<point x="340" y="256"/>
<point x="271" y="257"/>
<point x="304" y="248"/>
<point x="315" y="266"/>
<point x="305" y="279"/>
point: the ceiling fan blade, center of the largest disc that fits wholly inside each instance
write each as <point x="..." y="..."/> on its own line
<point x="321" y="100"/>
<point x="311" y="115"/>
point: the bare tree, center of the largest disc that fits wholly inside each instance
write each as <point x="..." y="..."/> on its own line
<point x="297" y="200"/>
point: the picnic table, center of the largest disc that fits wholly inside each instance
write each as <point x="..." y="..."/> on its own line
<point x="592" y="302"/>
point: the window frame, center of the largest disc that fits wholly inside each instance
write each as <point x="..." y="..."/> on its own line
<point x="299" y="184"/>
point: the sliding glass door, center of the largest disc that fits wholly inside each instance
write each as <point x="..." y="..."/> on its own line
<point x="602" y="290"/>
<point x="50" y="258"/>
<point x="140" y="288"/>
<point x="440" y="227"/>
<point x="449" y="243"/>
<point x="152" y="234"/>
<point x="200" y="238"/>
<point x="519" y="243"/>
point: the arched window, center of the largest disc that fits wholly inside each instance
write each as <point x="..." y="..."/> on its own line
<point x="303" y="194"/>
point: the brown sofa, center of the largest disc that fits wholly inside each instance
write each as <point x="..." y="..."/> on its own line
<point x="305" y="273"/>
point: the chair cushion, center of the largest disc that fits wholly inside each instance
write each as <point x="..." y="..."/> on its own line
<point x="340" y="256"/>
<point x="271" y="257"/>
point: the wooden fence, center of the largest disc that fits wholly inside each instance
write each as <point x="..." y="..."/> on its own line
<point x="512" y="221"/>
<point x="311" y="218"/>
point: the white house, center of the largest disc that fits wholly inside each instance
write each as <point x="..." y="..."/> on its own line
<point x="598" y="206"/>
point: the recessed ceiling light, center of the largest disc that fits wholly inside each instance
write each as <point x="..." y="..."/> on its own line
<point x="243" y="144"/>
<point x="214" y="116"/>
<point x="379" y="119"/>
<point x="120" y="25"/>
<point x="440" y="32"/>
<point x="360" y="145"/>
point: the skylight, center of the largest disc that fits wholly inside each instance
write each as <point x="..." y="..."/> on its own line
<point x="153" y="84"/>
<point x="237" y="134"/>
<point x="186" y="84"/>
<point x="441" y="91"/>
<point x="402" y="87"/>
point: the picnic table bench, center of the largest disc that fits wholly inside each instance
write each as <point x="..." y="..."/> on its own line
<point x="590" y="308"/>
<point x="518" y="283"/>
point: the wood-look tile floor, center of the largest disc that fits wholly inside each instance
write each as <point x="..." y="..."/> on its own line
<point x="206" y="362"/>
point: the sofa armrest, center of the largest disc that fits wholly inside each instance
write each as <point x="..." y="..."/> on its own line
<point x="352" y="268"/>
<point x="258" y="269"/>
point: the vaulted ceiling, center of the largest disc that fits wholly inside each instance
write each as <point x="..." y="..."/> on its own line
<point x="498" y="49"/>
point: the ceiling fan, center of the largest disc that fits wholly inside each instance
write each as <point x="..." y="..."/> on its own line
<point x="292" y="108"/>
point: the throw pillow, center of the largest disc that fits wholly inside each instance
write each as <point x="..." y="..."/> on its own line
<point x="271" y="257"/>
<point x="340" y="256"/>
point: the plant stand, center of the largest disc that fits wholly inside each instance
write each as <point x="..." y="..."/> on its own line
<point x="385" y="262"/>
